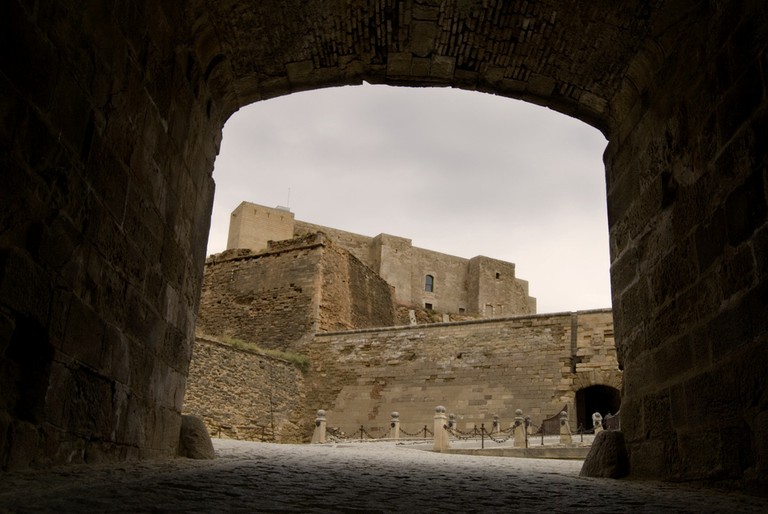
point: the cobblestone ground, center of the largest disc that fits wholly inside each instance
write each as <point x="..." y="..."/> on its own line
<point x="349" y="478"/>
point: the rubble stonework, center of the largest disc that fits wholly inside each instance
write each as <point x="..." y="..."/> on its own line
<point x="242" y="393"/>
<point x="292" y="289"/>
<point x="112" y="116"/>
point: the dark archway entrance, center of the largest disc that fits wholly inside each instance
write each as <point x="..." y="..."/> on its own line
<point x="597" y="398"/>
<point x="112" y="119"/>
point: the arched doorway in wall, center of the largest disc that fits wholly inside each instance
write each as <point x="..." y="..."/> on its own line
<point x="597" y="398"/>
<point x="461" y="173"/>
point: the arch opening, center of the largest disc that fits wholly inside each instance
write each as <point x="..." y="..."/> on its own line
<point x="450" y="169"/>
<point x="597" y="398"/>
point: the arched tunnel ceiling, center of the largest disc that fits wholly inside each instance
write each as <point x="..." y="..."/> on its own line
<point x="568" y="55"/>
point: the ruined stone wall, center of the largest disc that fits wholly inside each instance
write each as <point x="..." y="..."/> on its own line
<point x="353" y="296"/>
<point x="246" y="394"/>
<point x="475" y="369"/>
<point x="297" y="287"/>
<point x="247" y="297"/>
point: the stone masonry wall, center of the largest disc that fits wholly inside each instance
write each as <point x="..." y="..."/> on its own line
<point x="460" y="285"/>
<point x="108" y="135"/>
<point x="245" y="296"/>
<point x="687" y="181"/>
<point x="253" y="226"/>
<point x="245" y="394"/>
<point x="475" y="369"/>
<point x="295" y="288"/>
<point x="352" y="295"/>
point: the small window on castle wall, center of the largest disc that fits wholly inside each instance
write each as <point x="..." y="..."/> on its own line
<point x="461" y="310"/>
<point x="428" y="306"/>
<point x="429" y="284"/>
<point x="498" y="275"/>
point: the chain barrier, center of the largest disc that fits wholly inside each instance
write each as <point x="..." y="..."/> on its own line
<point x="497" y="435"/>
<point x="423" y="431"/>
<point x="261" y="433"/>
<point x="501" y="439"/>
<point x="462" y="436"/>
<point x="364" y="432"/>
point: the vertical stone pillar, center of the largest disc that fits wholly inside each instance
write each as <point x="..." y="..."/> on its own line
<point x="520" y="437"/>
<point x="394" y="425"/>
<point x="441" y="434"/>
<point x="597" y="422"/>
<point x="565" y="429"/>
<point x="320" y="423"/>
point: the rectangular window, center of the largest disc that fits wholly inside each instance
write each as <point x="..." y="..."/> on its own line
<point x="428" y="306"/>
<point x="429" y="284"/>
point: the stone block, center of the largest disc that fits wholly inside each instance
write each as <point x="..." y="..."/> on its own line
<point x="607" y="458"/>
<point x="194" y="439"/>
<point x="399" y="64"/>
<point x="442" y="67"/>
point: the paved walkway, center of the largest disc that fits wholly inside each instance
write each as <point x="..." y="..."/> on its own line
<point x="349" y="478"/>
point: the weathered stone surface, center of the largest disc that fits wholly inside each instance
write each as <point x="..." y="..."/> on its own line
<point x="475" y="369"/>
<point x="194" y="439"/>
<point x="608" y="457"/>
<point x="246" y="394"/>
<point x="480" y="286"/>
<point x="140" y="91"/>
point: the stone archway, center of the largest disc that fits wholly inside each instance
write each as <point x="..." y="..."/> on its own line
<point x="596" y="398"/>
<point x="112" y="118"/>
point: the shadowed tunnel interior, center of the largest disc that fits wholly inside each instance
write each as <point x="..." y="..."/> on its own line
<point x="111" y="120"/>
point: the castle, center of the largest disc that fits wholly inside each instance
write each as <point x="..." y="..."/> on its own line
<point x="421" y="278"/>
<point x="387" y="327"/>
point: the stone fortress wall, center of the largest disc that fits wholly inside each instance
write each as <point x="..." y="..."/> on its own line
<point x="289" y="291"/>
<point x="245" y="394"/>
<point x="478" y="286"/>
<point x="311" y="295"/>
<point x="476" y="369"/>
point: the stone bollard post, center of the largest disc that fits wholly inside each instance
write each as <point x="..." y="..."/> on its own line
<point x="441" y="434"/>
<point x="394" y="425"/>
<point x="320" y="422"/>
<point x="565" y="429"/>
<point x="520" y="439"/>
<point x="597" y="422"/>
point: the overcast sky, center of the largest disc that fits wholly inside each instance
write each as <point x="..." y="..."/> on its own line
<point x="456" y="172"/>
